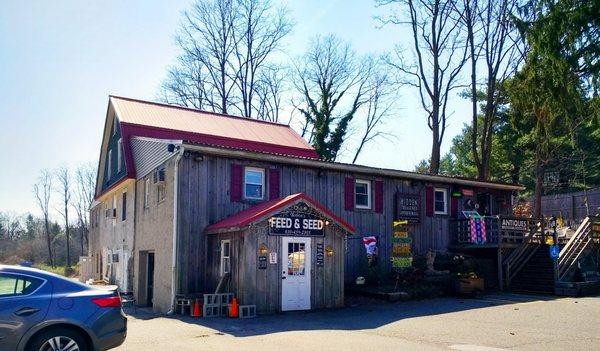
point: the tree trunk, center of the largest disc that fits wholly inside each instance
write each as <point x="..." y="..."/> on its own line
<point x="540" y="170"/>
<point x="49" y="242"/>
<point x="81" y="230"/>
<point x="434" y="164"/>
<point x="67" y="235"/>
<point x="515" y="174"/>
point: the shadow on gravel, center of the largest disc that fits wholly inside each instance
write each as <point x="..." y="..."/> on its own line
<point x="361" y="313"/>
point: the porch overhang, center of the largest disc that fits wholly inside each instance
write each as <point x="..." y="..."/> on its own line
<point x="263" y="211"/>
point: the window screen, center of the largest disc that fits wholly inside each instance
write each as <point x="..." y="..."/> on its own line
<point x="254" y="183"/>
<point x="362" y="194"/>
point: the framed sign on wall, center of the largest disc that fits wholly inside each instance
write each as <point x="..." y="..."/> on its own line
<point x="297" y="221"/>
<point x="408" y="208"/>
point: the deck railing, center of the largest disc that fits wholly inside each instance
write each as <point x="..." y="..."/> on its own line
<point x="460" y="231"/>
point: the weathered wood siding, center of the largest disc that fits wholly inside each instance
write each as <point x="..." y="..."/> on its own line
<point x="204" y="199"/>
<point x="262" y="287"/>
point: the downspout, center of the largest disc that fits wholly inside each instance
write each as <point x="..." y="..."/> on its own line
<point x="175" y="203"/>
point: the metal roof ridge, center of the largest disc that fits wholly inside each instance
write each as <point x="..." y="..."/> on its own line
<point x="191" y="109"/>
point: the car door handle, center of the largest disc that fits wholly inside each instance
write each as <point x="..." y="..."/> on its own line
<point x="26" y="311"/>
<point x="282" y="277"/>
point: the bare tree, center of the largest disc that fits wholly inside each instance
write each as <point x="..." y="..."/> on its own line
<point x="85" y="182"/>
<point x="377" y="109"/>
<point x="270" y="87"/>
<point x="207" y="40"/>
<point x="42" y="190"/>
<point x="259" y="30"/>
<point x="11" y="225"/>
<point x="493" y="44"/>
<point x="226" y="46"/>
<point x="63" y="175"/>
<point x="330" y="77"/>
<point x="440" y="54"/>
<point x="188" y="84"/>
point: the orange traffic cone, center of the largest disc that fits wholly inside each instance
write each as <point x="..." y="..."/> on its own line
<point x="234" y="309"/>
<point x="197" y="312"/>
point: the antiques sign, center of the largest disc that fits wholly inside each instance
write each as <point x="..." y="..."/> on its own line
<point x="408" y="207"/>
<point x="514" y="224"/>
<point x="296" y="223"/>
<point x="401" y="245"/>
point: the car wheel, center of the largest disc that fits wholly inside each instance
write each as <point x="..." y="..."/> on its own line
<point x="58" y="340"/>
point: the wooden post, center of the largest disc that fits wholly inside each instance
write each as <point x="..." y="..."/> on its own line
<point x="500" y="275"/>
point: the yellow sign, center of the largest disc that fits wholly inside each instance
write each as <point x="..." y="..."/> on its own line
<point x="400" y="234"/>
<point x="399" y="248"/>
<point x="397" y="223"/>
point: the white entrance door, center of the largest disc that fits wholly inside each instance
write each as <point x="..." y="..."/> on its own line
<point x="295" y="276"/>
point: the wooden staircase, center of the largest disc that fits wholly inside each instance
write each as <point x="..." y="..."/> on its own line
<point x="576" y="248"/>
<point x="529" y="268"/>
<point x="519" y="258"/>
<point x="537" y="276"/>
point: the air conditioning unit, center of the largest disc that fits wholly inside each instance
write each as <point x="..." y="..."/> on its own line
<point x="110" y="213"/>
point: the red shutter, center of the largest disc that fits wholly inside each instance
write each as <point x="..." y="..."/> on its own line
<point x="379" y="196"/>
<point x="349" y="194"/>
<point x="453" y="207"/>
<point x="429" y="201"/>
<point x="235" y="190"/>
<point x="274" y="183"/>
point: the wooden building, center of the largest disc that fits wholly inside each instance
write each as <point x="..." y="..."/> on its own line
<point x="186" y="171"/>
<point x="284" y="254"/>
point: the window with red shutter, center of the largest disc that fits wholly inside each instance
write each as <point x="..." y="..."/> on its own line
<point x="349" y="194"/>
<point x="429" y="201"/>
<point x="379" y="196"/>
<point x="454" y="207"/>
<point x="235" y="190"/>
<point x="274" y="183"/>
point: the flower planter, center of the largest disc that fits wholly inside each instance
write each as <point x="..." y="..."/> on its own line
<point x="469" y="285"/>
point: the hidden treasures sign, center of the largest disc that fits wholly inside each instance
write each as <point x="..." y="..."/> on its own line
<point x="297" y="223"/>
<point x="408" y="208"/>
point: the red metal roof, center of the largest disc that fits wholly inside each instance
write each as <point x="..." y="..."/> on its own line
<point x="263" y="210"/>
<point x="165" y="121"/>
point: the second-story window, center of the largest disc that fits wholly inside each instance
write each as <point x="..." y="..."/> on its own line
<point x="119" y="155"/>
<point x="109" y="165"/>
<point x="124" y="206"/>
<point x="362" y="193"/>
<point x="254" y="183"/>
<point x="146" y="192"/>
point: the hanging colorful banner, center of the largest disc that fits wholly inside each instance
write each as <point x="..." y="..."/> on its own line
<point x="478" y="230"/>
<point x="401" y="245"/>
<point x="370" y="243"/>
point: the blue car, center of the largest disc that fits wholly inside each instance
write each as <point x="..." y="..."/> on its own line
<point x="41" y="311"/>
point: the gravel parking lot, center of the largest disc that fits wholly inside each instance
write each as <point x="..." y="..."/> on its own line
<point x="494" y="322"/>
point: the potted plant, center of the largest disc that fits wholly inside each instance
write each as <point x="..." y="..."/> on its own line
<point x="469" y="283"/>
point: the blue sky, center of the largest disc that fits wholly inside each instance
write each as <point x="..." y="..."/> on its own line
<point x="59" y="61"/>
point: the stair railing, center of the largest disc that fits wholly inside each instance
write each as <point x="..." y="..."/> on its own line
<point x="572" y="251"/>
<point x="521" y="255"/>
